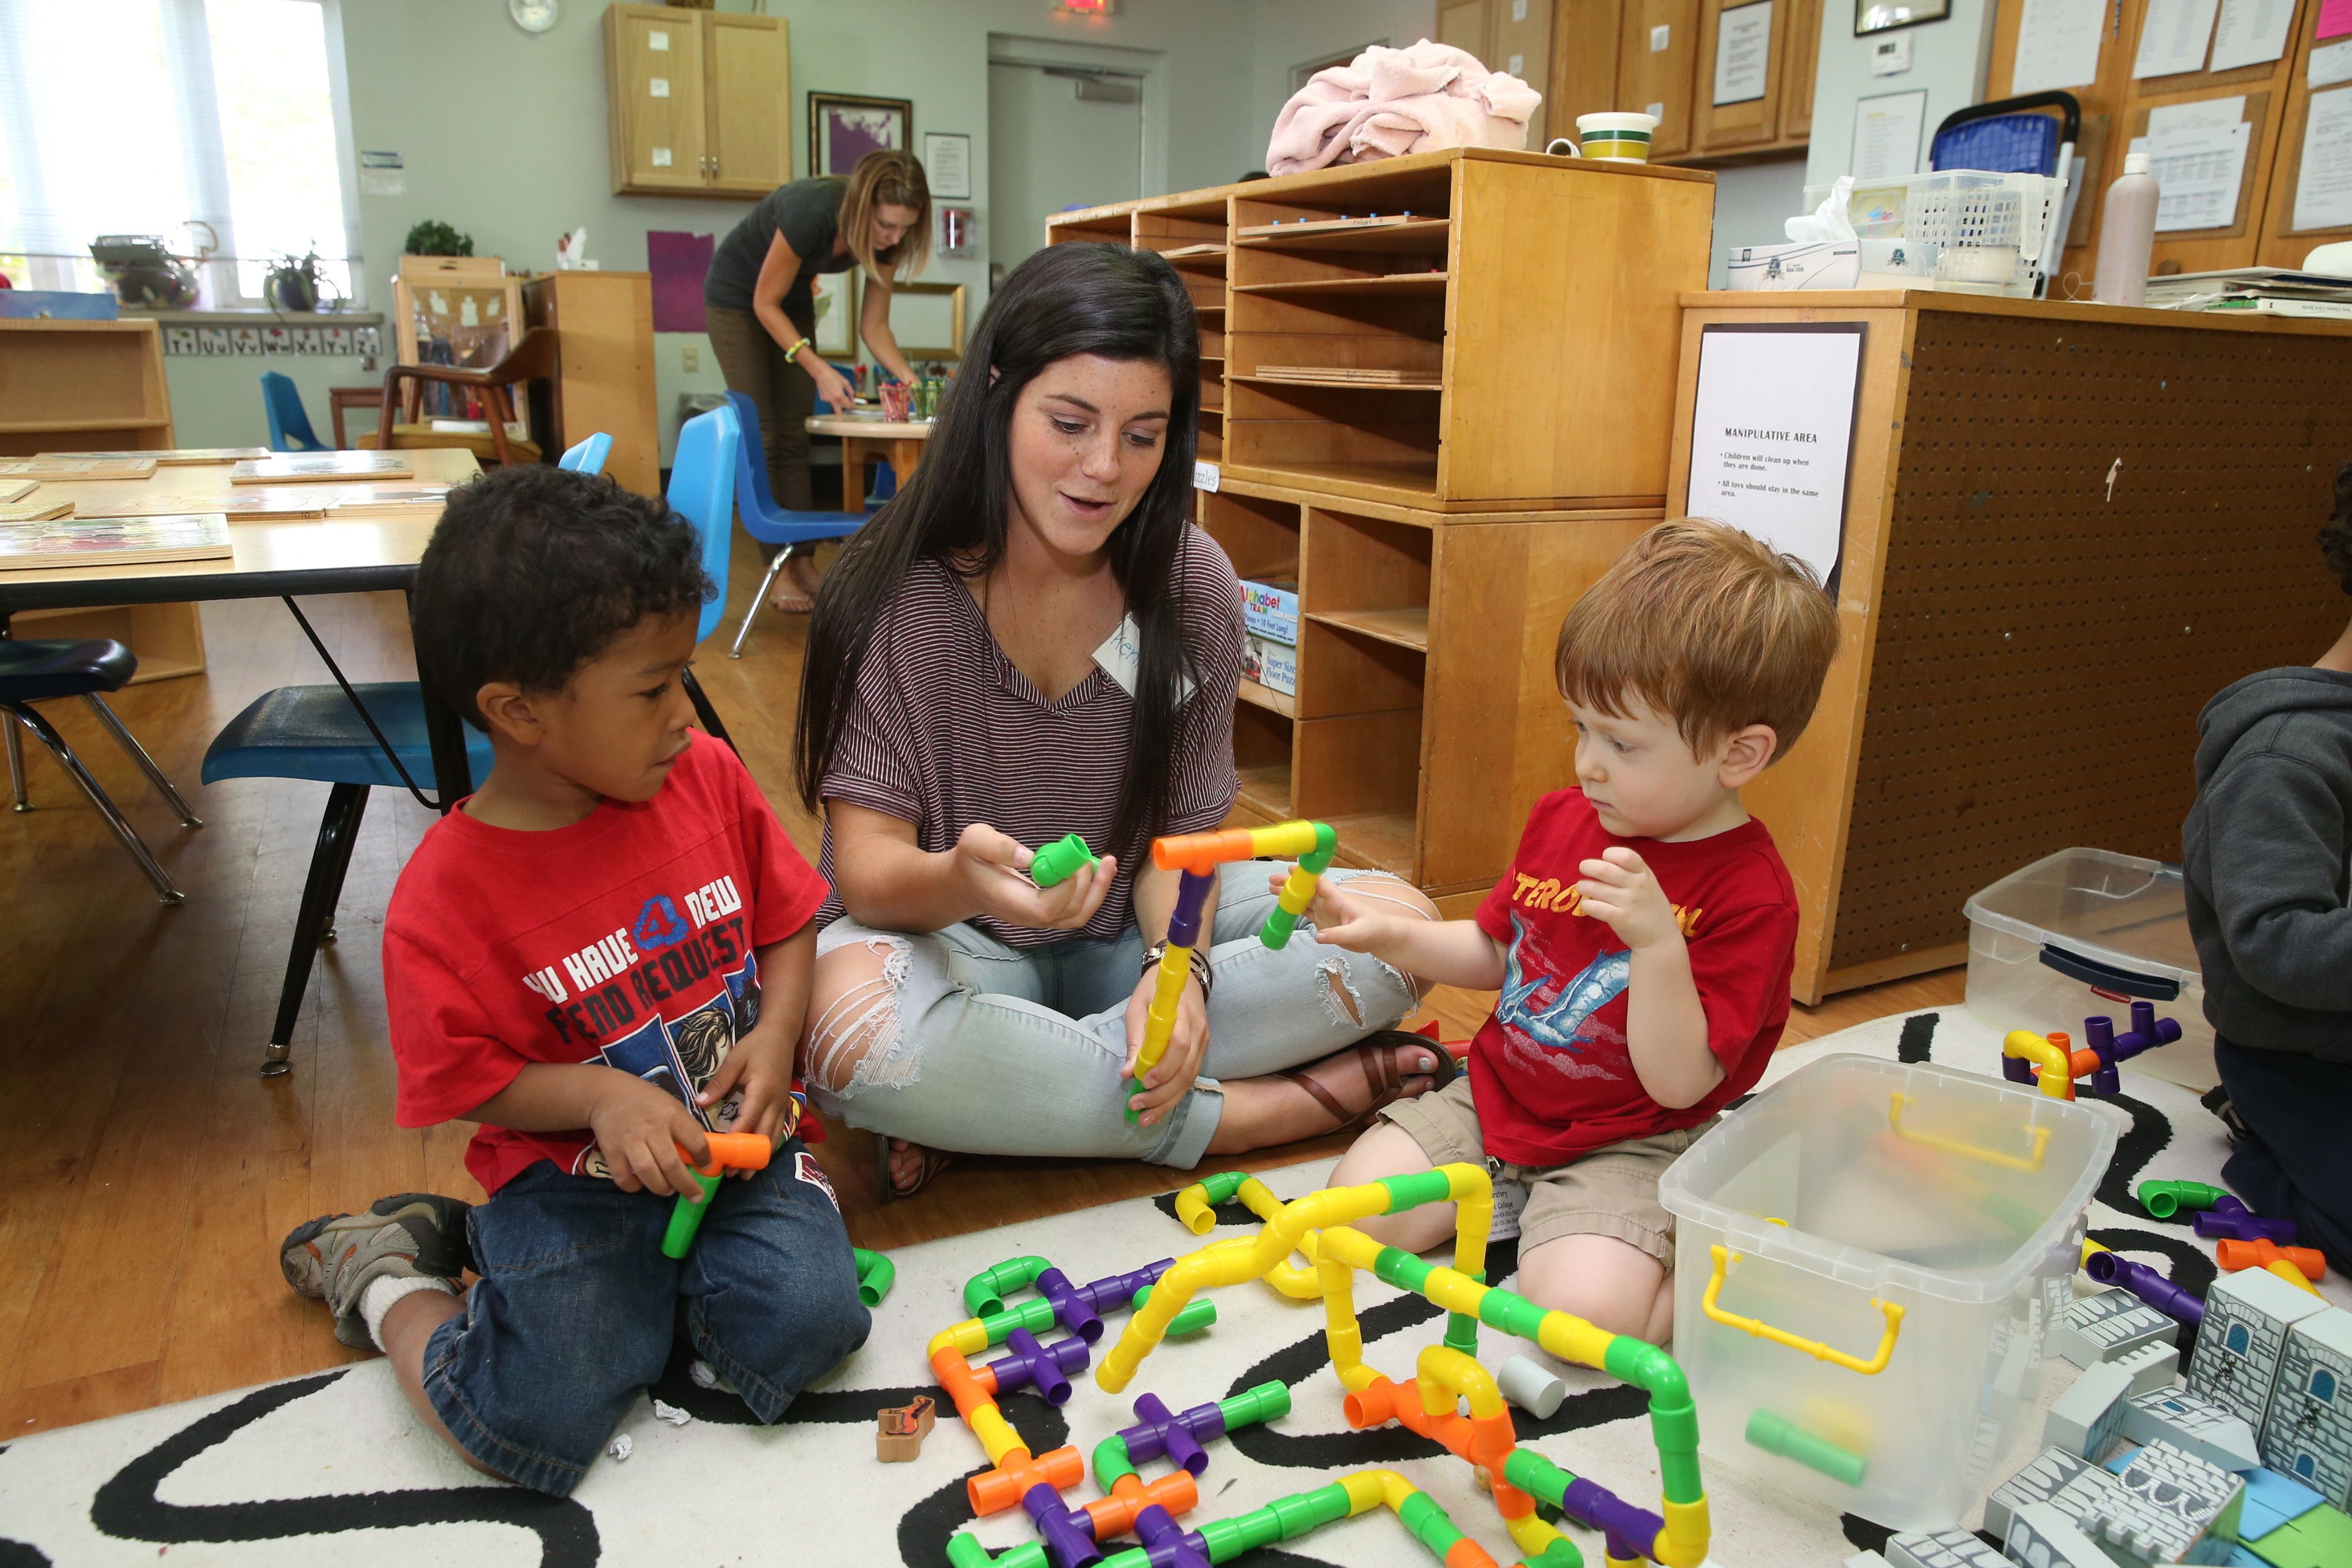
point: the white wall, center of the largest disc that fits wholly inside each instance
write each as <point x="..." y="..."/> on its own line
<point x="1948" y="59"/>
<point x="1751" y="204"/>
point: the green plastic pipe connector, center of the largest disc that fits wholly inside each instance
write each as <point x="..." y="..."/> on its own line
<point x="875" y="1275"/>
<point x="1513" y="1314"/>
<point x="1197" y="1314"/>
<point x="1221" y="1187"/>
<point x="1420" y="1514"/>
<point x="1111" y="1462"/>
<point x="1266" y="1401"/>
<point x="1059" y="861"/>
<point x="1421" y="1187"/>
<point x="1536" y="1476"/>
<point x="984" y="1292"/>
<point x="686" y="1217"/>
<point x="2165" y="1199"/>
<point x="1395" y="1266"/>
<point x="1280" y="922"/>
<point x="1561" y="1553"/>
<point x="1674" y="1420"/>
<point x="1035" y="1314"/>
<point x="1776" y="1434"/>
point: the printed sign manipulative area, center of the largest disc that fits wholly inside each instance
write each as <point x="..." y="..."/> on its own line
<point x="1772" y="434"/>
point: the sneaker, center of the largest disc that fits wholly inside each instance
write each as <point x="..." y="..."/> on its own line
<point x="2217" y="1101"/>
<point x="408" y="1235"/>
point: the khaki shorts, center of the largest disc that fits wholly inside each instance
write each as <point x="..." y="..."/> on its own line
<point x="1611" y="1190"/>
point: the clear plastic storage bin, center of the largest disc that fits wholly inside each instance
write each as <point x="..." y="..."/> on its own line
<point x="1867" y="1256"/>
<point x="1979" y="231"/>
<point x="2086" y="932"/>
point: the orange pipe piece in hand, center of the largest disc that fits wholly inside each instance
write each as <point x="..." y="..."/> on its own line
<point x="1200" y="853"/>
<point x="733" y="1152"/>
<point x="2236" y="1255"/>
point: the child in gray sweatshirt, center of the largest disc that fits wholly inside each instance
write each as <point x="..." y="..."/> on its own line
<point x="2267" y="855"/>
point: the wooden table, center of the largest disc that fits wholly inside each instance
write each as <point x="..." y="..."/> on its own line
<point x="353" y="549"/>
<point x="900" y="443"/>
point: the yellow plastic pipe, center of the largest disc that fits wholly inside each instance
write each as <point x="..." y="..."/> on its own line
<point x="1343" y="1336"/>
<point x="2057" y="1067"/>
<point x="2292" y="1276"/>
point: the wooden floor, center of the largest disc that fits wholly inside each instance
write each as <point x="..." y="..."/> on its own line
<point x="147" y="1174"/>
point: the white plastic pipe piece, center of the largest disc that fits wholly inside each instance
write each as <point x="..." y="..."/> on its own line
<point x="1529" y="1385"/>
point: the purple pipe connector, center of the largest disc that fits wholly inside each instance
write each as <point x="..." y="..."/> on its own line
<point x="1165" y="1542"/>
<point x="2238" y="1222"/>
<point x="1595" y="1507"/>
<point x="2017" y="1069"/>
<point x="1176" y="1437"/>
<point x="2099" y="1036"/>
<point x="1112" y="1291"/>
<point x="1071" y="1309"/>
<point x="1046" y="1368"/>
<point x="1184" y="922"/>
<point x="2147" y="1032"/>
<point x="2146" y="1283"/>
<point x="1067" y="1534"/>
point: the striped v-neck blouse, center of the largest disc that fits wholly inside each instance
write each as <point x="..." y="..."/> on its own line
<point x="945" y="731"/>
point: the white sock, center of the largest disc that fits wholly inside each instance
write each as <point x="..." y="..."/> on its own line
<point x="384" y="1289"/>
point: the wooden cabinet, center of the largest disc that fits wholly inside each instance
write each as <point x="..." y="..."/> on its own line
<point x="604" y="379"/>
<point x="700" y="102"/>
<point x="1798" y="68"/>
<point x="1741" y="46"/>
<point x="1513" y="36"/>
<point x="1657" y="51"/>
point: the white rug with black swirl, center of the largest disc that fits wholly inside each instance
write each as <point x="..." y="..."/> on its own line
<point x="333" y="1467"/>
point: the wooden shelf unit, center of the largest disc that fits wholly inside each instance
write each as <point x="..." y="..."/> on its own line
<point x="1424" y="655"/>
<point x="101" y="385"/>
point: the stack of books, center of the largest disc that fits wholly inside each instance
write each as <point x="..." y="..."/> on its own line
<point x="2255" y="290"/>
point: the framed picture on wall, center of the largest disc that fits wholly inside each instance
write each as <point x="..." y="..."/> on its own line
<point x="928" y="320"/>
<point x="1880" y="15"/>
<point x="843" y="129"/>
<point x="836" y="313"/>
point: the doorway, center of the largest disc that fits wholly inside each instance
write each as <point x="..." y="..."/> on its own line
<point x="1059" y="136"/>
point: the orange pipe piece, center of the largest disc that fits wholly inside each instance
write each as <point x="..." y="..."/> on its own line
<point x="2261" y="1254"/>
<point x="1201" y="853"/>
<point x="1467" y="1553"/>
<point x="963" y="1382"/>
<point x="1113" y="1515"/>
<point x="993" y="1492"/>
<point x="1382" y="1400"/>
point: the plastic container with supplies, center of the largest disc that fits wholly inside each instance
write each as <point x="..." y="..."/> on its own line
<point x="1980" y="232"/>
<point x="2085" y="932"/>
<point x="1867" y="1256"/>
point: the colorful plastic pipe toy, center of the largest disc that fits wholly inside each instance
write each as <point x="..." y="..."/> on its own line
<point x="1059" y="861"/>
<point x="2146" y="1283"/>
<point x="875" y="1275"/>
<point x="2229" y="1217"/>
<point x="2026" y="1055"/>
<point x="1197" y="855"/>
<point x="2162" y="1200"/>
<point x="728" y="1151"/>
<point x="1778" y="1435"/>
<point x="1319" y="1226"/>
<point x="2234" y="1256"/>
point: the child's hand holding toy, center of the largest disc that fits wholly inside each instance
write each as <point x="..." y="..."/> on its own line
<point x="1619" y="889"/>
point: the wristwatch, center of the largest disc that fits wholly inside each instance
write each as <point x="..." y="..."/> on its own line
<point x="1200" y="971"/>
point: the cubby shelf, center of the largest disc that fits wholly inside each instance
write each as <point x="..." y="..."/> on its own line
<point x="1391" y="285"/>
<point x="1405" y="628"/>
<point x="1267" y="698"/>
<point x="1422" y="236"/>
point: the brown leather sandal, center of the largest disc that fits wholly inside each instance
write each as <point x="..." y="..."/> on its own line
<point x="1376" y="1055"/>
<point x="934" y="1162"/>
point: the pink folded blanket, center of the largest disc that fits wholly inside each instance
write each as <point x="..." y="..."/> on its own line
<point x="1388" y="102"/>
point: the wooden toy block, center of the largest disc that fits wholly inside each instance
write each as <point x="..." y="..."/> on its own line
<point x="2189" y="1421"/>
<point x="1941" y="1549"/>
<point x="898" y="1432"/>
<point x="2308" y="1430"/>
<point x="2247" y="1316"/>
<point x="2038" y="1482"/>
<point x="2088" y="1416"/>
<point x="2109" y="1326"/>
<point x="2151" y="1366"/>
<point x="2043" y="1535"/>
<point x="2165" y="1506"/>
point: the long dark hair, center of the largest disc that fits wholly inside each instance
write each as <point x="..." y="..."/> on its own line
<point x="1064" y="300"/>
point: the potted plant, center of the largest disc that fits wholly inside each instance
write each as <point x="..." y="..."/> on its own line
<point x="294" y="283"/>
<point x="434" y="237"/>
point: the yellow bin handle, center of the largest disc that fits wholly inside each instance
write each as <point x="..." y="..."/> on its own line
<point x="1725" y="1258"/>
<point x="2038" y="1137"/>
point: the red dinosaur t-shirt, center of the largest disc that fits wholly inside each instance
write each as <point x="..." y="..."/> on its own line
<point x="627" y="938"/>
<point x="1549" y="1069"/>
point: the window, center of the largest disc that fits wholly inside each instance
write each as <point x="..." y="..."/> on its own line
<point x="170" y="118"/>
<point x="2237" y="1339"/>
<point x="2323" y="1385"/>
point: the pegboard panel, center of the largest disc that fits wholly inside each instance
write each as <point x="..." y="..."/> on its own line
<point x="2044" y="646"/>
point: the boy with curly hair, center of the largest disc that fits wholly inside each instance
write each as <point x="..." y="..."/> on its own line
<point x="1643" y="937"/>
<point x="2264" y="862"/>
<point x="599" y="956"/>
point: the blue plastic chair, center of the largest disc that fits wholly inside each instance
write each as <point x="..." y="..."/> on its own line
<point x="31" y="672"/>
<point x="289" y="423"/>
<point x="588" y="456"/>
<point x="766" y="522"/>
<point x="703" y="490"/>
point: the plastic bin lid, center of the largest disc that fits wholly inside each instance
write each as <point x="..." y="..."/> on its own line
<point x="2118" y="909"/>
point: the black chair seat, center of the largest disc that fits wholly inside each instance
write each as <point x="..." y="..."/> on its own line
<point x="33" y="671"/>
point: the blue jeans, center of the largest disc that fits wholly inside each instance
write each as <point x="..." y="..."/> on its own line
<point x="973" y="1045"/>
<point x="576" y="1310"/>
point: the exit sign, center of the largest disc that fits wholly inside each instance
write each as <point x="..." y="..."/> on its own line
<point x="1085" y="7"/>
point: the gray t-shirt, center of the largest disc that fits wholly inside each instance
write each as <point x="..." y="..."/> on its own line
<point x="807" y="213"/>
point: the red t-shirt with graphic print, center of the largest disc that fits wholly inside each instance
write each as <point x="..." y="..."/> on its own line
<point x="1549" y="1069"/>
<point x="627" y="938"/>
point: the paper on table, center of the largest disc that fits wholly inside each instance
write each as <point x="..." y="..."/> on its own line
<point x="2252" y="33"/>
<point x="2198" y="153"/>
<point x="2329" y="64"/>
<point x="1886" y="134"/>
<point x="2323" y="190"/>
<point x="1743" y="53"/>
<point x="2173" y="38"/>
<point x="2058" y="45"/>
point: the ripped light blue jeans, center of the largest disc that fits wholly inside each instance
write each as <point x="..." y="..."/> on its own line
<point x="970" y="1045"/>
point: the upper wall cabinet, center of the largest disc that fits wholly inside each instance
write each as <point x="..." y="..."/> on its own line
<point x="700" y="102"/>
<point x="1658" y="46"/>
<point x="1513" y="36"/>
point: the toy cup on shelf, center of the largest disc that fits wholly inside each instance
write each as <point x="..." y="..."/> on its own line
<point x="728" y="1151"/>
<point x="1616" y="138"/>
